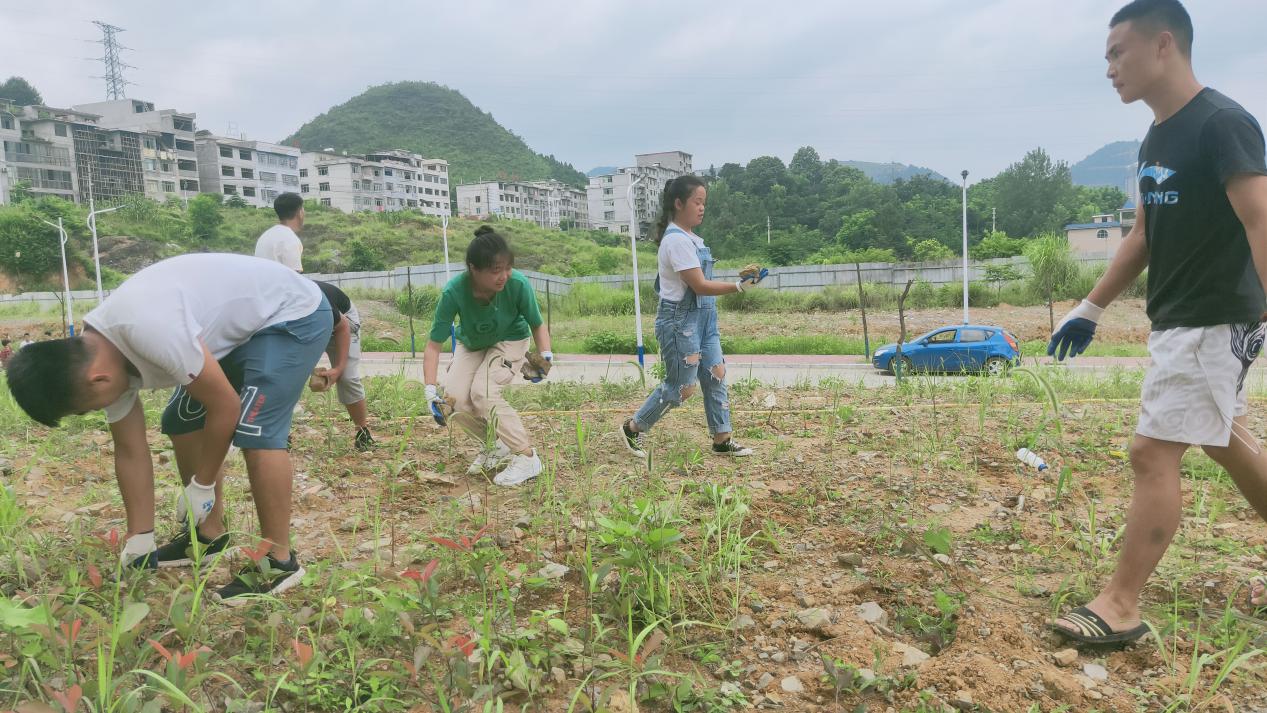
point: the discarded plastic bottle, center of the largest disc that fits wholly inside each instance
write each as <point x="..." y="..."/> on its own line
<point x="1031" y="458"/>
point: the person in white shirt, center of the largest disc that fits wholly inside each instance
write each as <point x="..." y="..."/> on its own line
<point x="238" y="337"/>
<point x="281" y="242"/>
<point x="686" y="322"/>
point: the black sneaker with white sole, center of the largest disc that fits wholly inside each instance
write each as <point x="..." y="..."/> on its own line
<point x="269" y="577"/>
<point x="729" y="447"/>
<point x="180" y="551"/>
<point x="633" y="440"/>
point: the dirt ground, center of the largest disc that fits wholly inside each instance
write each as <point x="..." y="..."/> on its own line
<point x="845" y="487"/>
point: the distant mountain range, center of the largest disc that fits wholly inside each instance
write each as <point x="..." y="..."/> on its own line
<point x="889" y="172"/>
<point x="1110" y="165"/>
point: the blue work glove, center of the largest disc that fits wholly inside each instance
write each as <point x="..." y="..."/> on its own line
<point x="440" y="408"/>
<point x="1074" y="333"/>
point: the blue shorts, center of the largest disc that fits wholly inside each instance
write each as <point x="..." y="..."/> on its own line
<point x="269" y="371"/>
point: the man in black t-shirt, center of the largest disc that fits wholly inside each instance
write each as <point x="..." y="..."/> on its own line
<point x="1201" y="232"/>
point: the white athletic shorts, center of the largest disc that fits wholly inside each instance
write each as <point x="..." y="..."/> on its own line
<point x="1196" y="385"/>
<point x="349" y="386"/>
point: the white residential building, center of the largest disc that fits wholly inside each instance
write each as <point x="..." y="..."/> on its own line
<point x="167" y="143"/>
<point x="379" y="181"/>
<point x="256" y="171"/>
<point x="39" y="150"/>
<point x="508" y="199"/>
<point x="607" y="195"/>
<point x="412" y="182"/>
<point x="550" y="203"/>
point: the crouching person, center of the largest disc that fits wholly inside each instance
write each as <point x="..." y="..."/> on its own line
<point x="238" y="337"/>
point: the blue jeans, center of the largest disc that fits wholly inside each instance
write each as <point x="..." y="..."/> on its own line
<point x="690" y="349"/>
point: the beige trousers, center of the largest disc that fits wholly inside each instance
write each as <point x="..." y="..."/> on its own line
<point x="475" y="380"/>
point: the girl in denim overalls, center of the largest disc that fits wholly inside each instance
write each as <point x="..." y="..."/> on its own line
<point x="686" y="322"/>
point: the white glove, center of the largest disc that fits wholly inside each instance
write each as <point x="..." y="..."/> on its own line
<point x="1085" y="310"/>
<point x="201" y="498"/>
<point x="432" y="393"/>
<point x="548" y="356"/>
<point x="137" y="546"/>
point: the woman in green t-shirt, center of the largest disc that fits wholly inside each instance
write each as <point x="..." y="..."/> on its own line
<point x="498" y="313"/>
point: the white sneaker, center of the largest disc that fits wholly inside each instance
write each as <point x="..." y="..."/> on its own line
<point x="522" y="468"/>
<point x="489" y="459"/>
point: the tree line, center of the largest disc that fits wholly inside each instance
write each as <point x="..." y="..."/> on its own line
<point x="828" y="212"/>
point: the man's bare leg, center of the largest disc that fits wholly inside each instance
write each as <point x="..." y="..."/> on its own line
<point x="1151" y="522"/>
<point x="1245" y="461"/>
<point x="271" y="477"/>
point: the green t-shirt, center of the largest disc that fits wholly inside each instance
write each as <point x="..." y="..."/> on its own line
<point x="510" y="316"/>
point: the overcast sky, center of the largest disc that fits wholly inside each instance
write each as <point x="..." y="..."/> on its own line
<point x="948" y="84"/>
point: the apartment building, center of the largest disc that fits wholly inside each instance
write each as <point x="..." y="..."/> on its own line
<point x="607" y="195"/>
<point x="550" y="204"/>
<point x="411" y="181"/>
<point x="378" y="181"/>
<point x="167" y="143"/>
<point x="39" y="150"/>
<point x="255" y="171"/>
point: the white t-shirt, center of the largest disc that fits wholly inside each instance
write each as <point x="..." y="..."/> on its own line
<point x="280" y="244"/>
<point x="677" y="252"/>
<point x="158" y="317"/>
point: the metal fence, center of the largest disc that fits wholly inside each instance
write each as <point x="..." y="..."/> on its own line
<point x="798" y="278"/>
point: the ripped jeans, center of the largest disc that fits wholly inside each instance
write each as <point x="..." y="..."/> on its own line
<point x="690" y="349"/>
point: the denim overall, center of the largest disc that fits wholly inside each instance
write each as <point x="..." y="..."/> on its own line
<point x="686" y="328"/>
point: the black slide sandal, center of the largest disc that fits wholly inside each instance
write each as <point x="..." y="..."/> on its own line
<point x="1093" y="630"/>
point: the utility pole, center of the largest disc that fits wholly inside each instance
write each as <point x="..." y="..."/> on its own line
<point x="993" y="216"/>
<point x="115" y="83"/>
<point x="767" y="230"/>
<point x="965" y="246"/>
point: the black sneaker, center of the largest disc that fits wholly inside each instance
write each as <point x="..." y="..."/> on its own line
<point x="633" y="440"/>
<point x="730" y="448"/>
<point x="180" y="551"/>
<point x="364" y="439"/>
<point x="268" y="577"/>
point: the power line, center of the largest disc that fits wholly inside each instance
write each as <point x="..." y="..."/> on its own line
<point x="115" y="83"/>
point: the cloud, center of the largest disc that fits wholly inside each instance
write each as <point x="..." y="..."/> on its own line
<point x="942" y="83"/>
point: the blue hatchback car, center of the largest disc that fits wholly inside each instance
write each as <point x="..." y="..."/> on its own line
<point x="961" y="348"/>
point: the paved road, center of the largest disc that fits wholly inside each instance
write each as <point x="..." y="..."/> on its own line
<point x="781" y="370"/>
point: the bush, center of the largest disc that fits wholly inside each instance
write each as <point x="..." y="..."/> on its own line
<point x="423" y="305"/>
<point x="363" y="257"/>
<point x="612" y="343"/>
<point x="587" y="299"/>
<point x="204" y="216"/>
<point x="28" y="247"/>
<point x="1054" y="270"/>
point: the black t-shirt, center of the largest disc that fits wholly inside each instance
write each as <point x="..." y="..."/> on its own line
<point x="339" y="301"/>
<point x="1200" y="271"/>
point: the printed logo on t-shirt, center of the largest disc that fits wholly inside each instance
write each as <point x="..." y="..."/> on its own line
<point x="1159" y="174"/>
<point x="484" y="327"/>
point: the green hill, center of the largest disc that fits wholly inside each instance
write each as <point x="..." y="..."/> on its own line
<point x="1110" y="165"/>
<point x="434" y="121"/>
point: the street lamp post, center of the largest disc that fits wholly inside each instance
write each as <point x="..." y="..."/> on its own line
<point x="965" y="246"/>
<point x="96" y="253"/>
<point x="633" y="250"/>
<point x="444" y="232"/>
<point x="70" y="312"/>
